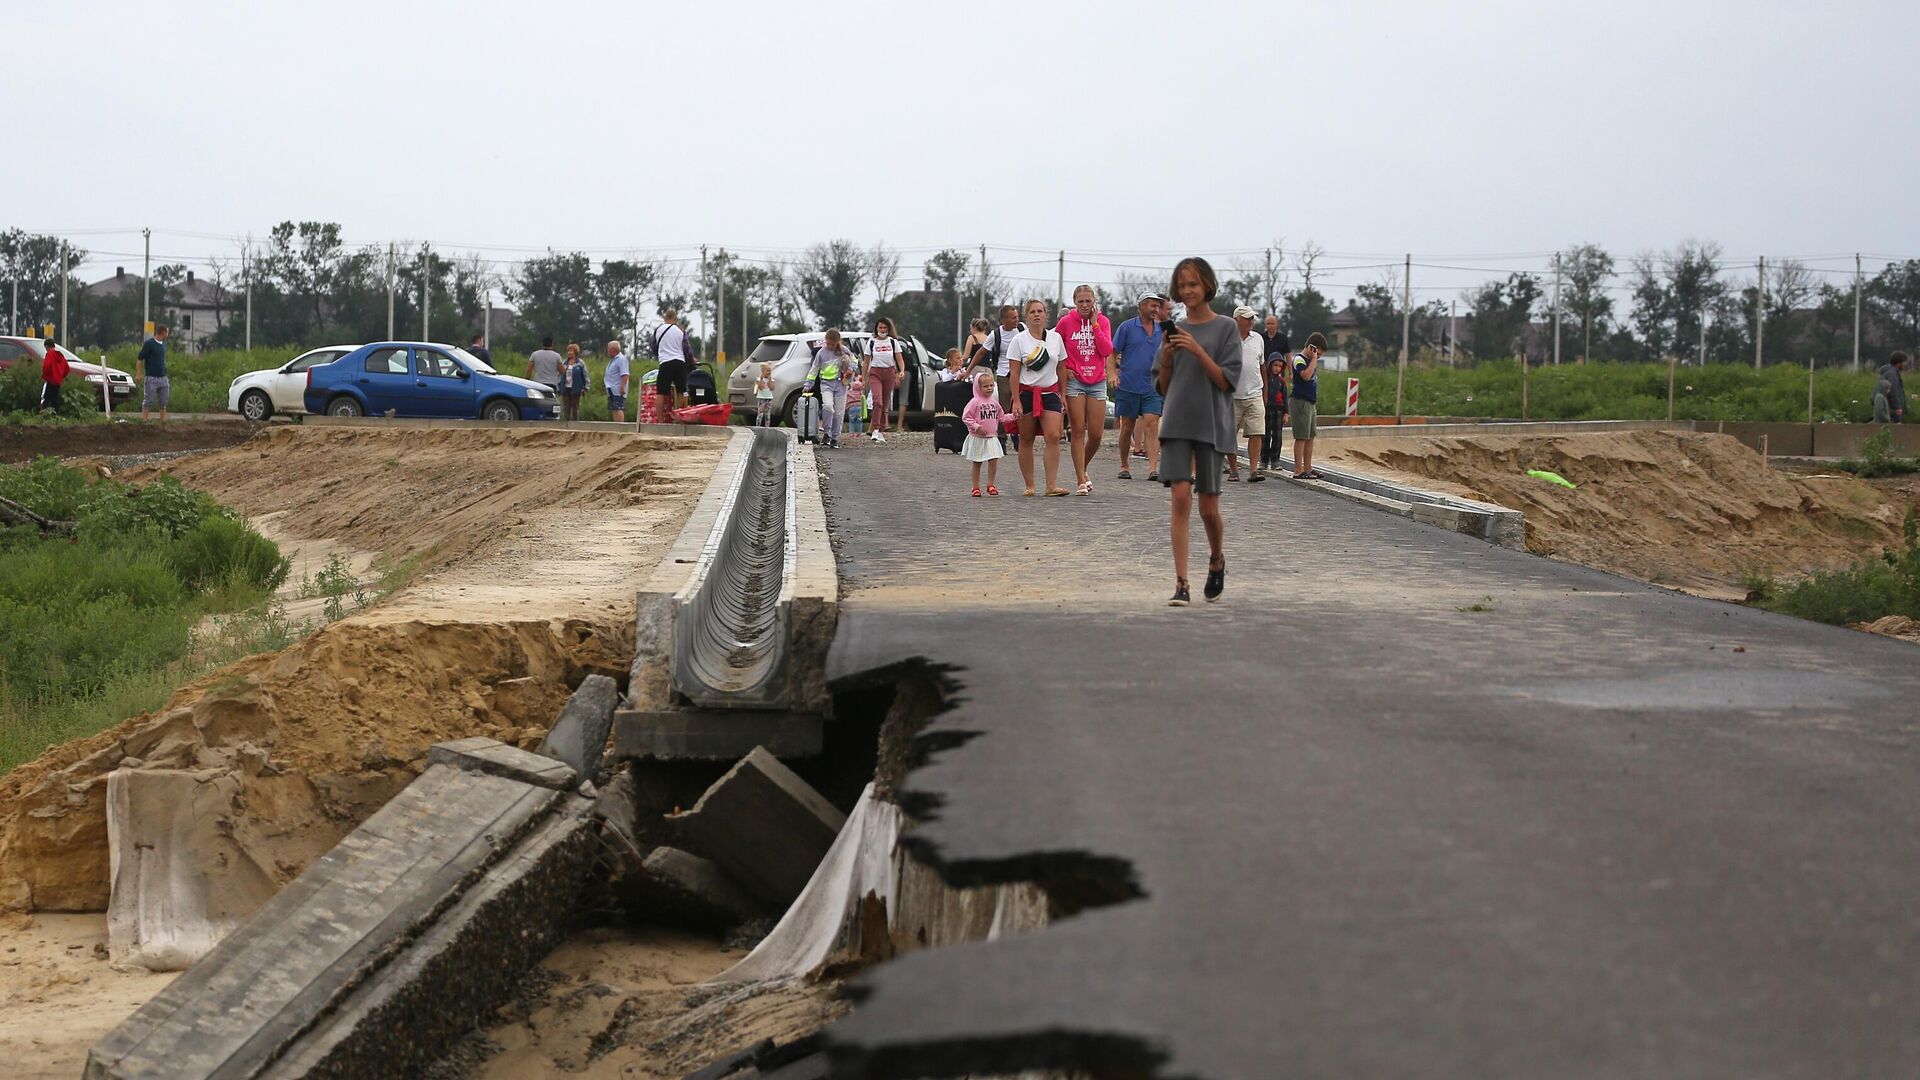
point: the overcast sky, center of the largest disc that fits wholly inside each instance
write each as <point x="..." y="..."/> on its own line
<point x="1491" y="129"/>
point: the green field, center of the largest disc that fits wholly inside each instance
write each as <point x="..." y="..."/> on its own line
<point x="104" y="618"/>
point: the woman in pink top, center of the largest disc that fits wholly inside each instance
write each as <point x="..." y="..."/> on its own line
<point x="1089" y="341"/>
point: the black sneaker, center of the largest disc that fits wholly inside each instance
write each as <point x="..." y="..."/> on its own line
<point x="1155" y="475"/>
<point x="1125" y="475"/>
<point x="1216" y="583"/>
<point x="1256" y="477"/>
<point x="1181" y="598"/>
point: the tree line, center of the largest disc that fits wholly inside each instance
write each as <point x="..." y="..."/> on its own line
<point x="310" y="287"/>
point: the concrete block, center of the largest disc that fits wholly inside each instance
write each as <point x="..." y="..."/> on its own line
<point x="495" y="758"/>
<point x="579" y="736"/>
<point x="684" y="889"/>
<point x="764" y="826"/>
<point x="714" y="734"/>
<point x="330" y="933"/>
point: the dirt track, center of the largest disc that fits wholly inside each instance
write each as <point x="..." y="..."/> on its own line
<point x="25" y="442"/>
<point x="526" y="548"/>
<point x="1693" y="511"/>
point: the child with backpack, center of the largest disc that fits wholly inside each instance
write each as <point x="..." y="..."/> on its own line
<point x="982" y="418"/>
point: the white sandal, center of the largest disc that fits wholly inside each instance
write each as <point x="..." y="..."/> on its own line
<point x="1086" y="487"/>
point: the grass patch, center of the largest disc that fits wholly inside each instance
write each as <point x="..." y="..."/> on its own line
<point x="1868" y="590"/>
<point x="97" y="625"/>
<point x="1880" y="457"/>
<point x="1485" y="603"/>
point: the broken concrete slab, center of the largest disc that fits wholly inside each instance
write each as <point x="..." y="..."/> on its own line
<point x="179" y="882"/>
<point x="579" y="736"/>
<point x="765" y="826"/>
<point x="684" y="889"/>
<point x="715" y="734"/>
<point x="333" y="930"/>
<point x="495" y="758"/>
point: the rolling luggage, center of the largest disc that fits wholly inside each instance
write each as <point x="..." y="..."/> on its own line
<point x="949" y="401"/>
<point x="806" y="417"/>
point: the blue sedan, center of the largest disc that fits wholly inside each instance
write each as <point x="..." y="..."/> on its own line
<point x="422" y="379"/>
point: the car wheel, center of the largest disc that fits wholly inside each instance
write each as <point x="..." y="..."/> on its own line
<point x="786" y="411"/>
<point x="500" y="409"/>
<point x="345" y="406"/>
<point x="256" y="406"/>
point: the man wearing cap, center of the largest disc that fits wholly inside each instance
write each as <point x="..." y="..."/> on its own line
<point x="1136" y="343"/>
<point x="1249" y="412"/>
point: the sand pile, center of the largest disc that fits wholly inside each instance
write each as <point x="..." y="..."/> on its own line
<point x="533" y="542"/>
<point x="1692" y="510"/>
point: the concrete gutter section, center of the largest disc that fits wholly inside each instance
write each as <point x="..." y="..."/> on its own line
<point x="384" y="950"/>
<point x="1496" y="525"/>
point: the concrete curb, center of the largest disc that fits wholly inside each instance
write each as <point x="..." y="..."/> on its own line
<point x="1497" y="525"/>
<point x="698" y="430"/>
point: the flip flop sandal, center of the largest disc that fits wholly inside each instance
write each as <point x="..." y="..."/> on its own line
<point x="1029" y="493"/>
<point x="991" y="490"/>
<point x="1054" y="493"/>
<point x="976" y="493"/>
<point x="1086" y="488"/>
<point x="1233" y="478"/>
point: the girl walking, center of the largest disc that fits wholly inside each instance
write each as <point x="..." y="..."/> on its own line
<point x="763" y="397"/>
<point x="1036" y="354"/>
<point x="886" y="360"/>
<point x="1089" y="340"/>
<point x="831" y="368"/>
<point x="982" y="418"/>
<point x="1198" y="368"/>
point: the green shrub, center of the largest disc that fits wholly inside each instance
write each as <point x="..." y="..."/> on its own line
<point x="221" y="550"/>
<point x="1869" y="590"/>
<point x="1879" y="457"/>
<point x="20" y="391"/>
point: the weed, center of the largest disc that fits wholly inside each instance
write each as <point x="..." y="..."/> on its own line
<point x="1879" y="457"/>
<point x="1485" y="603"/>
<point x="1868" y="590"/>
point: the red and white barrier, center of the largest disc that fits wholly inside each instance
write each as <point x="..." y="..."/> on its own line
<point x="1353" y="397"/>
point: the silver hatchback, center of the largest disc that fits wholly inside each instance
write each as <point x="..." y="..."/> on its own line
<point x="790" y="355"/>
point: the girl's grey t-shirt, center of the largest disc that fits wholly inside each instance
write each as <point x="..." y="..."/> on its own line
<point x="1195" y="408"/>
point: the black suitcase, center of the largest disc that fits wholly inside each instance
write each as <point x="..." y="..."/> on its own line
<point x="952" y="397"/>
<point x="949" y="433"/>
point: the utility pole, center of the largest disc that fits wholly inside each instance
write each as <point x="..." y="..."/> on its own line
<point x="720" y="307"/>
<point x="703" y="273"/>
<point x="1060" y="289"/>
<point x="1703" y="341"/>
<point x="391" y="270"/>
<point x="1556" y="309"/>
<point x="1856" y="311"/>
<point x="426" y="287"/>
<point x="1406" y="338"/>
<point x="66" y="255"/>
<point x="1759" y="312"/>
<point x="1271" y="310"/>
<point x="13" y="307"/>
<point x="246" y="270"/>
<point x="1453" y="334"/>
<point x="146" y="282"/>
<point x="959" y="315"/>
<point x="983" y="281"/>
<point x="744" y="350"/>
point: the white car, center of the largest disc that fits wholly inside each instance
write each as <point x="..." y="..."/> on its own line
<point x="792" y="354"/>
<point x="257" y="395"/>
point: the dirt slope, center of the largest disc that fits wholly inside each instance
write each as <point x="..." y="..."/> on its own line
<point x="532" y="543"/>
<point x="1692" y="510"/>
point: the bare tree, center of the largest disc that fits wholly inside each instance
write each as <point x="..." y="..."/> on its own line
<point x="1304" y="260"/>
<point x="882" y="267"/>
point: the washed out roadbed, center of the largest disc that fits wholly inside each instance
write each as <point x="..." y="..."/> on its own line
<point x="521" y="550"/>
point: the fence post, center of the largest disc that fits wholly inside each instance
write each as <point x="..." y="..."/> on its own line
<point x="1809" y="391"/>
<point x="1523" y="384"/>
<point x="1673" y="361"/>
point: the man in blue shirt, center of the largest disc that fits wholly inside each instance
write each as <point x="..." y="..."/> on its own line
<point x="1136" y="343"/>
<point x="153" y="369"/>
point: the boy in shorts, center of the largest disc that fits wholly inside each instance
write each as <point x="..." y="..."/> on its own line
<point x="1305" y="405"/>
<point x="1197" y="372"/>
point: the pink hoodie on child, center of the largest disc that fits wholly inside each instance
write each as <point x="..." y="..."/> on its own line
<point x="982" y="414"/>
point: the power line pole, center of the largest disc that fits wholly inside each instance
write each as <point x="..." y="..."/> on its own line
<point x="696" y="287"/>
<point x="983" y="281"/>
<point x="13" y="307"/>
<point x="246" y="269"/>
<point x="1406" y="338"/>
<point x="1703" y="341"/>
<point x="720" y="306"/>
<point x="426" y="290"/>
<point x="1453" y="334"/>
<point x="1556" y="309"/>
<point x="146" y="282"/>
<point x="66" y="255"/>
<point x="1856" y="311"/>
<point x="1759" y="312"/>
<point x="744" y="351"/>
<point x="1271" y="310"/>
<point x="392" y="269"/>
<point x="1060" y="289"/>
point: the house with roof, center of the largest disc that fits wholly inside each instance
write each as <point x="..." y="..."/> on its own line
<point x="195" y="308"/>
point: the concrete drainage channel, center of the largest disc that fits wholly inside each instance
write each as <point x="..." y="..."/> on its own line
<point x="732" y="785"/>
<point x="1497" y="525"/>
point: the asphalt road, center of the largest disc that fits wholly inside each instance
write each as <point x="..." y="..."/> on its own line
<point x="1401" y="804"/>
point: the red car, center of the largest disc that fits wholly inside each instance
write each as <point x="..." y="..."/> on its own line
<point x="82" y="377"/>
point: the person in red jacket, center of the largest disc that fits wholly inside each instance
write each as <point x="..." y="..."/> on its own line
<point x="53" y="372"/>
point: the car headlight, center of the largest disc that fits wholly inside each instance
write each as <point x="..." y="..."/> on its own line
<point x="536" y="393"/>
<point x="96" y="378"/>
